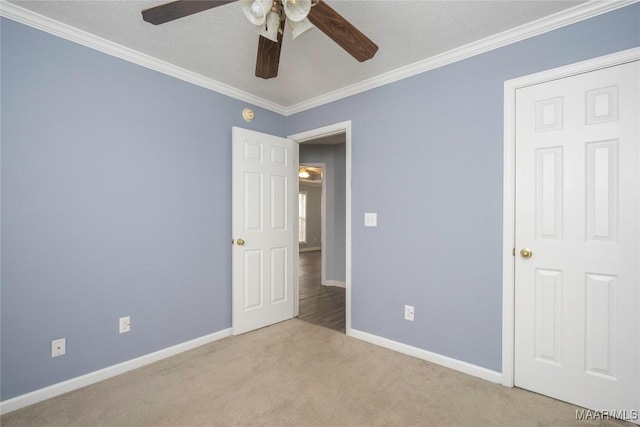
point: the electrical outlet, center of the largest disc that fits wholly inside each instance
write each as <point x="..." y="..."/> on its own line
<point x="58" y="347"/>
<point x="125" y="324"/>
<point x="408" y="312"/>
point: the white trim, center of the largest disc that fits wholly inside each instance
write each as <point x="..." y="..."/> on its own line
<point x="508" y="231"/>
<point x="51" y="26"/>
<point x="336" y="283"/>
<point x="103" y="374"/>
<point x="322" y="132"/>
<point x="567" y="17"/>
<point x="540" y="26"/>
<point x="296" y="224"/>
<point x="438" y="359"/>
<point x="342" y="127"/>
<point x="508" y="237"/>
<point x="310" y="249"/>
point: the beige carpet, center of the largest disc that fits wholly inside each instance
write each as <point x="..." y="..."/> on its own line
<point x="296" y="374"/>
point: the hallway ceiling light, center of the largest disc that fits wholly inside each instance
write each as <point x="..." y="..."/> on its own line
<point x="303" y="174"/>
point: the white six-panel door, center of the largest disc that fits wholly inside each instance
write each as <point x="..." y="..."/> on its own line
<point x="577" y="211"/>
<point x="263" y="229"/>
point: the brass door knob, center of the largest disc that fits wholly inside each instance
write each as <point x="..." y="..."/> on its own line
<point x="240" y="242"/>
<point x="526" y="253"/>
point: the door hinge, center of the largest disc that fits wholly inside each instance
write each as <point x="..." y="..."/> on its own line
<point x="514" y="252"/>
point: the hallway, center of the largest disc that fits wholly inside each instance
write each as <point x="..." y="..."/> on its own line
<point x="320" y="305"/>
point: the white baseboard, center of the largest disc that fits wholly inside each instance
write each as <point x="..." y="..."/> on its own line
<point x="103" y="374"/>
<point x="310" y="249"/>
<point x="438" y="359"/>
<point x="337" y="283"/>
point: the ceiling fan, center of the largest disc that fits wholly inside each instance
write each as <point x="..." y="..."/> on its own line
<point x="269" y="17"/>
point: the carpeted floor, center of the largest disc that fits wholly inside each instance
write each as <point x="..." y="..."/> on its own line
<point x="296" y="374"/>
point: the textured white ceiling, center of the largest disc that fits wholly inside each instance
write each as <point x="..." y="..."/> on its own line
<point x="220" y="43"/>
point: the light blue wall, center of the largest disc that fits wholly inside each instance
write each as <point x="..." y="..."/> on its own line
<point x="427" y="157"/>
<point x="116" y="201"/>
<point x="334" y="158"/>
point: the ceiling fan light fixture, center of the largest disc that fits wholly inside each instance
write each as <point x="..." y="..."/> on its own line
<point x="296" y="10"/>
<point x="256" y="10"/>
<point x="300" y="27"/>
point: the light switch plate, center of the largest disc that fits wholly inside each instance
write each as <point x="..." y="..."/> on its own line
<point x="370" y="219"/>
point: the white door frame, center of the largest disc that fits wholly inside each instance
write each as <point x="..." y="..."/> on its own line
<point x="323" y="219"/>
<point x="508" y="245"/>
<point x="337" y="128"/>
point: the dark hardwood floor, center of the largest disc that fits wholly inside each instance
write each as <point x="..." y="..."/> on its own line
<point x="320" y="305"/>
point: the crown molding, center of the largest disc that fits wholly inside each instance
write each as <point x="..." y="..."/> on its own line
<point x="532" y="29"/>
<point x="51" y="26"/>
<point x="541" y="26"/>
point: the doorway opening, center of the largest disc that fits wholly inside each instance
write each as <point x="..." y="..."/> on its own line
<point x="323" y="264"/>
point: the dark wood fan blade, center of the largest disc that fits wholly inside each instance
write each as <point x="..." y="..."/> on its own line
<point x="268" y="58"/>
<point x="179" y="9"/>
<point x="342" y="32"/>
